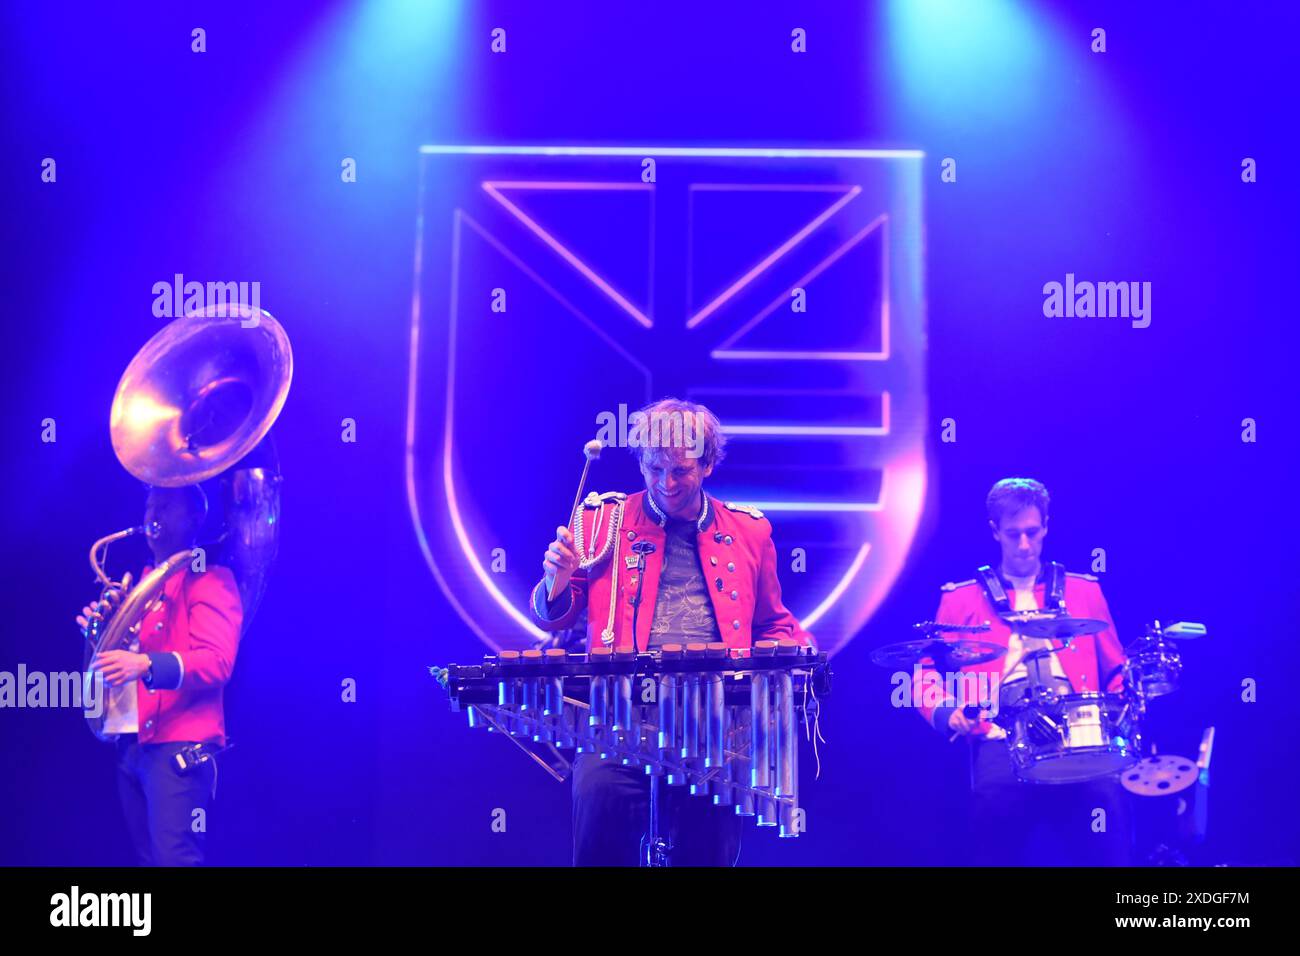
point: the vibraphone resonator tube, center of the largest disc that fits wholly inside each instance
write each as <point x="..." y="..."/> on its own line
<point x="722" y="722"/>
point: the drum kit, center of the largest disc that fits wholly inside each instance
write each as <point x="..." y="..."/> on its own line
<point x="1057" y="737"/>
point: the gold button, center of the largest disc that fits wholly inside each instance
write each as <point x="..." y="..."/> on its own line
<point x="727" y="539"/>
<point x="631" y="536"/>
<point x="713" y="559"/>
<point x="731" y="565"/>
<point x="735" y="625"/>
<point x="735" y="595"/>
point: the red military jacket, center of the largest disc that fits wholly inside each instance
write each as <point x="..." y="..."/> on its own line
<point x="736" y="554"/>
<point x="1087" y="662"/>
<point x="191" y="641"/>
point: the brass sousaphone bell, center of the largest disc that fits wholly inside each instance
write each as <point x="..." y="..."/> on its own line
<point x="197" y="403"/>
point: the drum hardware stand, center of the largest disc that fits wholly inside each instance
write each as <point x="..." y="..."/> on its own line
<point x="1178" y="840"/>
<point x="1042" y="728"/>
<point x="656" y="847"/>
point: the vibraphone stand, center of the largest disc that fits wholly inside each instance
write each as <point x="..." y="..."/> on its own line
<point x="656" y="848"/>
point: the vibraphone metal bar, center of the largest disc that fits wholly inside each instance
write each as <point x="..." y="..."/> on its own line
<point x="720" y="721"/>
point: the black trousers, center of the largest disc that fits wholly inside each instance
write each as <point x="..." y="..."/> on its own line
<point x="159" y="803"/>
<point x="1013" y="823"/>
<point x="611" y="812"/>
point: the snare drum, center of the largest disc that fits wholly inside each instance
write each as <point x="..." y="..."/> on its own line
<point x="1068" y="738"/>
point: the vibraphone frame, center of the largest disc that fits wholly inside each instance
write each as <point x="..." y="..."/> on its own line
<point x="726" y="717"/>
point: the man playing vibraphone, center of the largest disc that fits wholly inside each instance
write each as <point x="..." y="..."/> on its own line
<point x="708" y="575"/>
<point x="1013" y="822"/>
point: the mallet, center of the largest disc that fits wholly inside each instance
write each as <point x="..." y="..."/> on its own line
<point x="590" y="451"/>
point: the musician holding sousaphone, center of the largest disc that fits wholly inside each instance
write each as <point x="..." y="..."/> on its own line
<point x="195" y="406"/>
<point x="165" y="688"/>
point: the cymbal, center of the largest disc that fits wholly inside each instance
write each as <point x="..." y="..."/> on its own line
<point x="907" y="654"/>
<point x="1158" y="776"/>
<point x="1052" y="626"/>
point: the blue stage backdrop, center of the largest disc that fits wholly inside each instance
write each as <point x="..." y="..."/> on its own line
<point x="923" y="171"/>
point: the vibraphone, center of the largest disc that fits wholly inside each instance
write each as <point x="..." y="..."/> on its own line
<point x="722" y="722"/>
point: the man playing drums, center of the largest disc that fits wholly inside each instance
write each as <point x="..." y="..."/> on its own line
<point x="1015" y="822"/>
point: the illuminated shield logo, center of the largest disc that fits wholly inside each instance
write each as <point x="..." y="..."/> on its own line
<point x="780" y="287"/>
